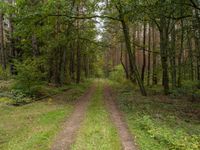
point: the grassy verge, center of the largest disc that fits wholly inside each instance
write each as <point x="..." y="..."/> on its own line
<point x="15" y="97"/>
<point x="34" y="126"/>
<point x="160" y="123"/>
<point x="97" y="131"/>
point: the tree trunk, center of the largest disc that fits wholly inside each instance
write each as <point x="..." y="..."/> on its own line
<point x="35" y="46"/>
<point x="144" y="53"/>
<point x="180" y="56"/>
<point x="173" y="56"/>
<point x="196" y="25"/>
<point x="11" y="47"/>
<point x="134" y="70"/>
<point x="149" y="58"/>
<point x="164" y="51"/>
<point x="72" y="65"/>
<point x="154" y="78"/>
<point x="2" y="52"/>
<point x="123" y="65"/>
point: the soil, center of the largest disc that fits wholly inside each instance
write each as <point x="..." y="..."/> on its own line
<point x="67" y="135"/>
<point x="116" y="116"/>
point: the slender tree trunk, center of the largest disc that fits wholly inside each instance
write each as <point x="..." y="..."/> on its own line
<point x="154" y="78"/>
<point x="64" y="65"/>
<point x="12" y="47"/>
<point x="180" y="55"/>
<point x="144" y="53"/>
<point x="57" y="59"/>
<point x="134" y="70"/>
<point x="127" y="64"/>
<point x="78" y="51"/>
<point x="164" y="51"/>
<point x="133" y="43"/>
<point x="85" y="60"/>
<point x="2" y="52"/>
<point x="78" y="57"/>
<point x="72" y="64"/>
<point x="149" y="58"/>
<point x="191" y="58"/>
<point x="173" y="56"/>
<point x="191" y="73"/>
<point x="35" y="46"/>
<point x="196" y="25"/>
<point x="123" y="65"/>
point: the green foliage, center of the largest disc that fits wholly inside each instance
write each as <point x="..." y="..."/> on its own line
<point x="4" y="74"/>
<point x="5" y="100"/>
<point x="175" y="139"/>
<point x="117" y="74"/>
<point x="35" y="126"/>
<point x="19" y="97"/>
<point x="188" y="88"/>
<point x="160" y="123"/>
<point x="155" y="89"/>
<point x="28" y="78"/>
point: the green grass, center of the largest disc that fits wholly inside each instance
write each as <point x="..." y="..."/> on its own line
<point x="97" y="131"/>
<point x="34" y="126"/>
<point x="160" y="123"/>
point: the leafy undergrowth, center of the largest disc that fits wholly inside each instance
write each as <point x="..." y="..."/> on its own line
<point x="189" y="90"/>
<point x="17" y="97"/>
<point x="97" y="131"/>
<point x="34" y="126"/>
<point x="160" y="123"/>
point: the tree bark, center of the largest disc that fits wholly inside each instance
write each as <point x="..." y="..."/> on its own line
<point x="72" y="63"/>
<point x="149" y="58"/>
<point x="180" y="55"/>
<point x="154" y="78"/>
<point x="143" y="52"/>
<point x="164" y="50"/>
<point x="2" y="52"/>
<point x="134" y="70"/>
<point x="173" y="57"/>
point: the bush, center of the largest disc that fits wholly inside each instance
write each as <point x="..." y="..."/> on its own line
<point x="175" y="139"/>
<point x="155" y="89"/>
<point x="117" y="74"/>
<point x="19" y="97"/>
<point x="28" y="78"/>
<point x="189" y="88"/>
<point x="4" y="74"/>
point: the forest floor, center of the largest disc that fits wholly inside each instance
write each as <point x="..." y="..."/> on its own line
<point x="35" y="125"/>
<point x="71" y="126"/>
<point x="102" y="116"/>
<point x="119" y="121"/>
<point x="159" y="122"/>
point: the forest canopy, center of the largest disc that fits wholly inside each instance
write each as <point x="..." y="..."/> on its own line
<point x="155" y="41"/>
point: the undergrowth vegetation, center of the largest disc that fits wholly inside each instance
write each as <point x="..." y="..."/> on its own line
<point x="159" y="122"/>
<point x="117" y="74"/>
<point x="29" y="77"/>
<point x="34" y="126"/>
<point x="18" y="96"/>
<point x="189" y="90"/>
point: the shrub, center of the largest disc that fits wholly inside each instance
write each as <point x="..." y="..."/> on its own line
<point x="28" y="78"/>
<point x="4" y="74"/>
<point x="19" y="97"/>
<point x="188" y="88"/>
<point x="155" y="89"/>
<point x="175" y="139"/>
<point x="117" y="74"/>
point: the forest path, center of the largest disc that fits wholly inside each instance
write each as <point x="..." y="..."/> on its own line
<point x="67" y="136"/>
<point x="118" y="120"/>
